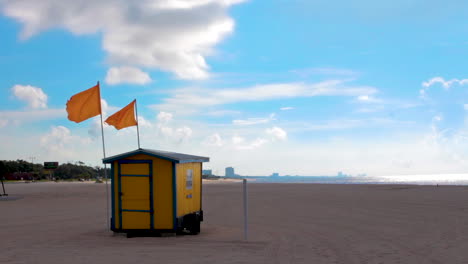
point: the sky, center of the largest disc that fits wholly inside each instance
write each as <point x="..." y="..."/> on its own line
<point x="297" y="87"/>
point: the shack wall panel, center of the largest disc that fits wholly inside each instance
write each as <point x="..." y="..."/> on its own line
<point x="188" y="199"/>
<point x="162" y="191"/>
<point x="136" y="193"/>
<point x="135" y="169"/>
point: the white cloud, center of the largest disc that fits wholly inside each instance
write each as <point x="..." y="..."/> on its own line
<point x="369" y="99"/>
<point x="222" y="113"/>
<point x="237" y="140"/>
<point x="345" y="124"/>
<point x="277" y="133"/>
<point x="34" y="96"/>
<point x="37" y="115"/>
<point x="164" y="117"/>
<point x="241" y="143"/>
<point x="437" y="118"/>
<point x="118" y="75"/>
<point x="304" y="73"/>
<point x="192" y="99"/>
<point x="286" y="108"/>
<point x="59" y="141"/>
<point x="170" y="35"/>
<point x="58" y="136"/>
<point x="446" y="84"/>
<point x="183" y="133"/>
<point x="3" y="123"/>
<point x="214" y="140"/>
<point x="142" y="122"/>
<point x="253" y="120"/>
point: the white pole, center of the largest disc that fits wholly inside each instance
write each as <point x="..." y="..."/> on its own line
<point x="244" y="183"/>
<point x="138" y="126"/>
<point x="105" y="165"/>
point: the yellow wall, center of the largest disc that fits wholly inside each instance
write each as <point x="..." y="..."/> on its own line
<point x="185" y="204"/>
<point x="162" y="191"/>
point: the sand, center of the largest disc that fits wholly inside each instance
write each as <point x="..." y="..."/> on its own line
<point x="289" y="223"/>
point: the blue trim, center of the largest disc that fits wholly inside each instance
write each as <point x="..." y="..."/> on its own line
<point x="112" y="179"/>
<point x="131" y="210"/>
<point x="133" y="175"/>
<point x="174" y="194"/>
<point x="201" y="186"/>
<point x="151" y="195"/>
<point x="141" y="151"/>
<point x="120" y="196"/>
<point x="119" y="157"/>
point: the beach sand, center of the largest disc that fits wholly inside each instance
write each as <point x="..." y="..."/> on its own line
<point x="289" y="223"/>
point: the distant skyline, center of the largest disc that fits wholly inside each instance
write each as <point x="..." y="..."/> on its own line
<point x="294" y="87"/>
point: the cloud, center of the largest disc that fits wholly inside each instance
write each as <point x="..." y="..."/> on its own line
<point x="142" y="122"/>
<point x="193" y="99"/>
<point x="165" y="126"/>
<point x="3" y="123"/>
<point x="304" y="73"/>
<point x="222" y="113"/>
<point x="38" y="115"/>
<point x="253" y="121"/>
<point x="183" y="133"/>
<point x="368" y="99"/>
<point x="446" y="84"/>
<point x="277" y="133"/>
<point x="60" y="141"/>
<point x="118" y="75"/>
<point x="164" y="117"/>
<point x="170" y="35"/>
<point x="346" y="124"/>
<point x="214" y="140"/>
<point x="240" y="143"/>
<point x="286" y="108"/>
<point x="34" y="96"/>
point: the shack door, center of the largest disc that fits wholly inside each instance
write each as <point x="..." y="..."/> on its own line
<point x="136" y="194"/>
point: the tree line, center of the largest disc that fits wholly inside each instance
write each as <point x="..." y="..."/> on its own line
<point x="24" y="170"/>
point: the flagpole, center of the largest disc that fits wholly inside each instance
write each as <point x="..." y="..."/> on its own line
<point x="138" y="126"/>
<point x="105" y="164"/>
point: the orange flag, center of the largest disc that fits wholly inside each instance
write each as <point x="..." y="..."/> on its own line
<point x="84" y="105"/>
<point x="123" y="118"/>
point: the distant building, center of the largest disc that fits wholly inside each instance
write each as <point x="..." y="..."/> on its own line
<point x="230" y="172"/>
<point x="340" y="174"/>
<point x="207" y="172"/>
<point x="274" y="174"/>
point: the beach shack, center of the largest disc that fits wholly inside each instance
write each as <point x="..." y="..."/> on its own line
<point x="156" y="191"/>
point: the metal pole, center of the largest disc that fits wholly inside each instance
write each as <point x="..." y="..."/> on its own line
<point x="244" y="183"/>
<point x="138" y="126"/>
<point x="105" y="165"/>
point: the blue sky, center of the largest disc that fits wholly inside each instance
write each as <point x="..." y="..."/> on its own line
<point x="294" y="87"/>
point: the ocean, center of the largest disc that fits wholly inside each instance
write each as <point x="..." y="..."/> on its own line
<point x="424" y="179"/>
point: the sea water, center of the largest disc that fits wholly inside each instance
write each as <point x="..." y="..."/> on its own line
<point x="421" y="179"/>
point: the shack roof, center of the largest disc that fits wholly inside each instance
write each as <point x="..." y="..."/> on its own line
<point x="167" y="155"/>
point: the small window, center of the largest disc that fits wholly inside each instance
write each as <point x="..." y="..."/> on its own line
<point x="189" y="180"/>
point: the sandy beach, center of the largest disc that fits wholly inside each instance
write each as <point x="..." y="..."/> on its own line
<point x="289" y="223"/>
